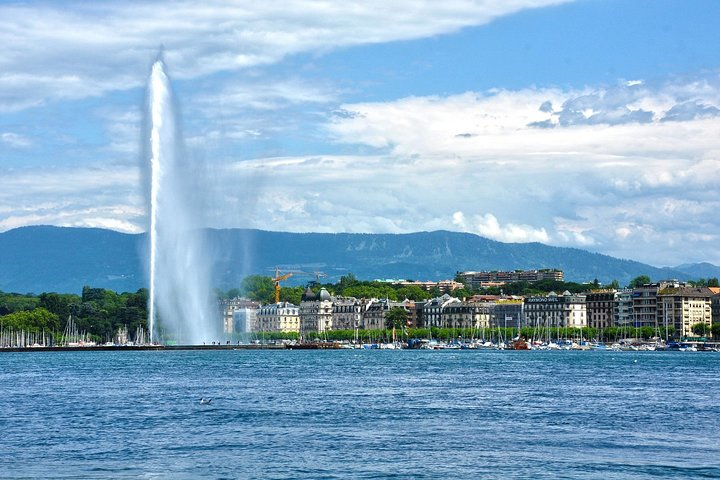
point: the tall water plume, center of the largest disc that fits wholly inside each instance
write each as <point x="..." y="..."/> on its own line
<point x="179" y="304"/>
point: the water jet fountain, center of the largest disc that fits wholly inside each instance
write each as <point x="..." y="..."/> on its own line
<point x="179" y="274"/>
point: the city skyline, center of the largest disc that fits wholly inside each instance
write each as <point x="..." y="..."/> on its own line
<point x="590" y="124"/>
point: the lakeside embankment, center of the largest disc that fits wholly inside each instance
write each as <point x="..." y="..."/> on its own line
<point x="106" y="348"/>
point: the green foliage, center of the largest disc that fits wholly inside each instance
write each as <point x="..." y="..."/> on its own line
<point x="701" y="329"/>
<point x="59" y="304"/>
<point x="347" y="281"/>
<point x="291" y="294"/>
<point x="666" y="332"/>
<point x="715" y="329"/>
<point x="15" y="302"/>
<point x="412" y="292"/>
<point x="35" y="320"/>
<point x="639" y="281"/>
<point x="259" y="288"/>
<point x="396" y="317"/>
<point x="371" y="290"/>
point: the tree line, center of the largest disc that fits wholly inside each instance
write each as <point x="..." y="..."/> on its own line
<point x="97" y="311"/>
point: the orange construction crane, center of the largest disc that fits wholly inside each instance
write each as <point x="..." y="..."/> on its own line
<point x="277" y="279"/>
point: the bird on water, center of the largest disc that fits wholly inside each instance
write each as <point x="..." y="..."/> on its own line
<point x="205" y="401"/>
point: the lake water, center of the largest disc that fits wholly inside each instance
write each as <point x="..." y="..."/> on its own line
<point x="359" y="414"/>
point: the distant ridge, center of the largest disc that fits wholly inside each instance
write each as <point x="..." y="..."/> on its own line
<point x="44" y="258"/>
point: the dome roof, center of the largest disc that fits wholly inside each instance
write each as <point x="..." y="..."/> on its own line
<point x="309" y="295"/>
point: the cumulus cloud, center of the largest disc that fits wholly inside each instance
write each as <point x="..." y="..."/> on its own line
<point x="487" y="225"/>
<point x="618" y="179"/>
<point x="690" y="111"/>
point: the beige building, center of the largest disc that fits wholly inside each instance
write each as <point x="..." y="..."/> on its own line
<point x="468" y="315"/>
<point x="553" y="310"/>
<point x="683" y="307"/>
<point x="647" y="311"/>
<point x="278" y="317"/>
<point x="316" y="312"/>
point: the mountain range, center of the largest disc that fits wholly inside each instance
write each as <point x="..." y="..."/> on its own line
<point x="62" y="259"/>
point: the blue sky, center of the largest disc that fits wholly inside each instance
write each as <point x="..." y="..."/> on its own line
<point x="587" y="123"/>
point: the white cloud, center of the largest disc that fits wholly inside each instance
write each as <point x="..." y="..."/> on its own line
<point x="14" y="140"/>
<point x="88" y="197"/>
<point x="637" y="188"/>
<point x="487" y="225"/>
<point x="80" y="49"/>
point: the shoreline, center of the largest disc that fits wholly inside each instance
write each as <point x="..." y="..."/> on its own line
<point x="108" y="348"/>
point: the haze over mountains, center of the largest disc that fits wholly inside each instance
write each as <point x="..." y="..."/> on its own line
<point x="43" y="258"/>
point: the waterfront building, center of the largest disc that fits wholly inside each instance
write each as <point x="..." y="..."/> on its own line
<point x="480" y="279"/>
<point x="469" y="315"/>
<point x="347" y="313"/>
<point x="432" y="310"/>
<point x="507" y="312"/>
<point x="244" y="318"/>
<point x="415" y="313"/>
<point x="647" y="312"/>
<point x="278" y="317"/>
<point x="316" y="311"/>
<point x="683" y="307"/>
<point x="623" y="308"/>
<point x="230" y="306"/>
<point x="374" y="314"/>
<point x="600" y="308"/>
<point x="715" y="304"/>
<point x="553" y="310"/>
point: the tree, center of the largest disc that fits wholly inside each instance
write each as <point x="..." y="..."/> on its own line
<point x="715" y="330"/>
<point x="615" y="285"/>
<point x="713" y="282"/>
<point x="396" y="317"/>
<point x="347" y="281"/>
<point x="701" y="329"/>
<point x="412" y="292"/>
<point x="259" y="288"/>
<point x="639" y="281"/>
<point x="33" y="321"/>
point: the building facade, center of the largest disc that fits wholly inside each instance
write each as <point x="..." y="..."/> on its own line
<point x="623" y="308"/>
<point x="647" y="311"/>
<point x="347" y="313"/>
<point x="465" y="315"/>
<point x="600" y="308"/>
<point x="683" y="307"/>
<point x="480" y="279"/>
<point x="507" y="313"/>
<point x="553" y="310"/>
<point x="230" y="306"/>
<point x="244" y="319"/>
<point x="433" y="308"/>
<point x="278" y="317"/>
<point x="316" y="312"/>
